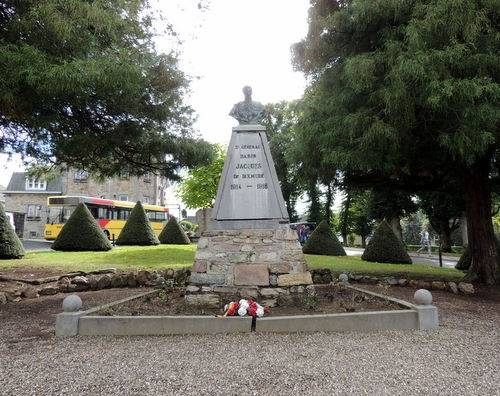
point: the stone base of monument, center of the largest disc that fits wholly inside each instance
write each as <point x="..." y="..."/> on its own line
<point x="249" y="258"/>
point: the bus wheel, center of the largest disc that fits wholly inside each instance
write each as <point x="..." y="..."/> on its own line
<point x="106" y="232"/>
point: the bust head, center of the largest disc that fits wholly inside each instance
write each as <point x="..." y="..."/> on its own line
<point x="247" y="91"/>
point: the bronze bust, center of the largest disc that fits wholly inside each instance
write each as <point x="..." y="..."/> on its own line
<point x="248" y="111"/>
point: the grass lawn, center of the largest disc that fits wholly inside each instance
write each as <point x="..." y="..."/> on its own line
<point x="179" y="256"/>
<point x="354" y="264"/>
<point x="120" y="257"/>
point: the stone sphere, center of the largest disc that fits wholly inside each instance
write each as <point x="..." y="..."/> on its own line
<point x="343" y="278"/>
<point x="423" y="297"/>
<point x="72" y="303"/>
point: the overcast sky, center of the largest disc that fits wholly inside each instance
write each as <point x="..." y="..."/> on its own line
<point x="231" y="44"/>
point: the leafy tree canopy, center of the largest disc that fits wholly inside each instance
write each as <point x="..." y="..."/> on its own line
<point x="199" y="188"/>
<point x="82" y="84"/>
<point x="398" y="95"/>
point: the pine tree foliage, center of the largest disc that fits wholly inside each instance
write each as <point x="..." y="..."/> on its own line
<point x="81" y="233"/>
<point x="137" y="230"/>
<point x="397" y="96"/>
<point x="385" y="247"/>
<point x="84" y="78"/>
<point x="10" y="245"/>
<point x="324" y="242"/>
<point x="173" y="234"/>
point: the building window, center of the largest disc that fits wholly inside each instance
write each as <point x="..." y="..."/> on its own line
<point x="35" y="184"/>
<point x="81" y="176"/>
<point x="33" y="212"/>
<point x="123" y="197"/>
<point x="146" y="200"/>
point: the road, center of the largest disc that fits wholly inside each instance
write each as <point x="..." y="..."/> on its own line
<point x="32" y="245"/>
<point x="448" y="261"/>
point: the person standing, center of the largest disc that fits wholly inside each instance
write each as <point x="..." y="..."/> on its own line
<point x="425" y="242"/>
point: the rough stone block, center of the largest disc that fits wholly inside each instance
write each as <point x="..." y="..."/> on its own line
<point x="192" y="289"/>
<point x="207" y="279"/>
<point x="210" y="300"/>
<point x="247" y="292"/>
<point x="303" y="278"/>
<point x="203" y="255"/>
<point x="251" y="275"/>
<point x="268" y="257"/>
<point x="200" y="266"/>
<point x="202" y="243"/>
<point x="299" y="266"/>
<point x="280" y="268"/>
<point x="269" y="293"/>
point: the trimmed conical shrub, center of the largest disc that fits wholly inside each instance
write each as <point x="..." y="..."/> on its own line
<point x="173" y="234"/>
<point x="385" y="247"/>
<point x="10" y="245"/>
<point x="81" y="233"/>
<point x="137" y="230"/>
<point x="323" y="241"/>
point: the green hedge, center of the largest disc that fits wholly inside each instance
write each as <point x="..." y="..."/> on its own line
<point x="81" y="233"/>
<point x="324" y="242"/>
<point x="385" y="247"/>
<point x="173" y="234"/>
<point x="10" y="245"/>
<point x="137" y="230"/>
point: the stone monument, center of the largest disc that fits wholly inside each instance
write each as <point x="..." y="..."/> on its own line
<point x="248" y="243"/>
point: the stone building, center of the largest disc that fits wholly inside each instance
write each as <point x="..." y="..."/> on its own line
<point x="26" y="197"/>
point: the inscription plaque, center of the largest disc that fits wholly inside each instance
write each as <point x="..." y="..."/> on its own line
<point x="249" y="188"/>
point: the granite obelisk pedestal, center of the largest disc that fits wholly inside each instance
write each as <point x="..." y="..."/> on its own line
<point x="248" y="242"/>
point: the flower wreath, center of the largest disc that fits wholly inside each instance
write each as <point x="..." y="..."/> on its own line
<point x="245" y="307"/>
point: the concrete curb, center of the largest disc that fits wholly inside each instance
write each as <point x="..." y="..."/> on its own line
<point x="412" y="317"/>
<point x="162" y="325"/>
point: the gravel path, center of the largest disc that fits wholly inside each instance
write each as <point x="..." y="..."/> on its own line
<point x="462" y="357"/>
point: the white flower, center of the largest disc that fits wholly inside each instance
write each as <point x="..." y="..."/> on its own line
<point x="244" y="304"/>
<point x="242" y="311"/>
<point x="260" y="311"/>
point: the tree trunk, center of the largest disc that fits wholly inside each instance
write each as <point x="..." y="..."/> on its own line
<point x="396" y="227"/>
<point x="463" y="230"/>
<point x="479" y="224"/>
<point x="329" y="202"/>
<point x="344" y="229"/>
<point x="363" y="241"/>
<point x="445" y="236"/>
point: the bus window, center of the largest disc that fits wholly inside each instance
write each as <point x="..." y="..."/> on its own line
<point x="102" y="213"/>
<point x="160" y="216"/>
<point x="123" y="214"/>
<point x="151" y="215"/>
<point x="94" y="210"/>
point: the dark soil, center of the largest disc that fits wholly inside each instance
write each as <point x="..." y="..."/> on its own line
<point x="329" y="299"/>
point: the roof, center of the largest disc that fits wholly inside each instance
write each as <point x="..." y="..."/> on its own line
<point x="73" y="200"/>
<point x="17" y="184"/>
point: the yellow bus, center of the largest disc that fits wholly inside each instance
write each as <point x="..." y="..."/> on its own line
<point x="111" y="215"/>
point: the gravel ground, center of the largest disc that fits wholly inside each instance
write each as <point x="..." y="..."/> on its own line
<point x="461" y="357"/>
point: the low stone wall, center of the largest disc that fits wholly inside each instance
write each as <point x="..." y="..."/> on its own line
<point x="325" y="276"/>
<point x="13" y="291"/>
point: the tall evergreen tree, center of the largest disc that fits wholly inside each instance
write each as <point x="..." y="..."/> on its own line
<point x="398" y="96"/>
<point x="137" y="230"/>
<point x="81" y="233"/>
<point x="10" y="245"/>
<point x="173" y="234"/>
<point x="82" y="84"/>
